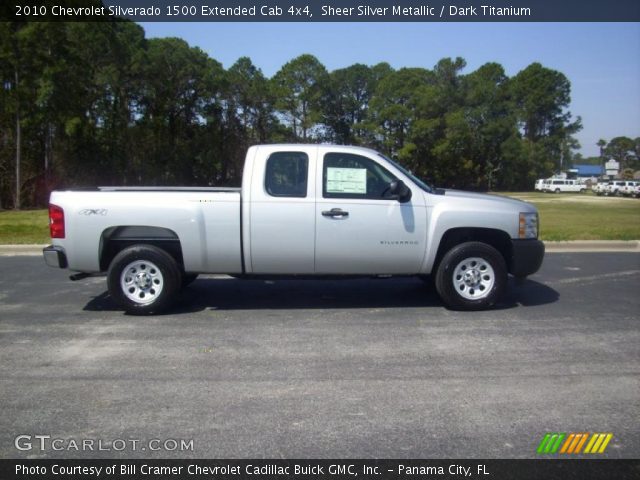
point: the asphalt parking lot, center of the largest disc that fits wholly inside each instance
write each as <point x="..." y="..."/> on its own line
<point x="356" y="368"/>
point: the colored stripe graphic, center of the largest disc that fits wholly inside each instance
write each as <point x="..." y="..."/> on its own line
<point x="543" y="443"/>
<point x="584" y="439"/>
<point x="556" y="445"/>
<point x="567" y="443"/>
<point x="572" y="443"/>
<point x="551" y="442"/>
<point x="598" y="443"/>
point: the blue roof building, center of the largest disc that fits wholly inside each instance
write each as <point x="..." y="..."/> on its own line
<point x="588" y="170"/>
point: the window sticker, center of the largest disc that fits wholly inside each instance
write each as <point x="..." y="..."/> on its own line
<point x="346" y="180"/>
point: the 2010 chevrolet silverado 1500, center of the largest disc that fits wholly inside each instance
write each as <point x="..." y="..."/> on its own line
<point x="304" y="210"/>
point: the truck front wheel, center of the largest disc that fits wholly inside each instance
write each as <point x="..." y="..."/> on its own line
<point x="143" y="279"/>
<point x="471" y="276"/>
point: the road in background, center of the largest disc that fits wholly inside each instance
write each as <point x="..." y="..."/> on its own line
<point x="302" y="369"/>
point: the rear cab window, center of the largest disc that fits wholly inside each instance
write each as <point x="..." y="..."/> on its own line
<point x="287" y="174"/>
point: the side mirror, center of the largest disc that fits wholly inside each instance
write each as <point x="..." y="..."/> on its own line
<point x="399" y="190"/>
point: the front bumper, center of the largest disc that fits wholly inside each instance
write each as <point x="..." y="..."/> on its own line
<point x="526" y="257"/>
<point x="55" y="256"/>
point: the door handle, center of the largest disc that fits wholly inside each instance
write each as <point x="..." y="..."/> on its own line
<point x="335" y="212"/>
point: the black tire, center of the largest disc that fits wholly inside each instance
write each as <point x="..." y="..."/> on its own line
<point x="154" y="279"/>
<point x="582" y="190"/>
<point x="557" y="190"/>
<point x="458" y="295"/>
<point x="188" y="279"/>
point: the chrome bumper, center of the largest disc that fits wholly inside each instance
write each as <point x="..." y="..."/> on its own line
<point x="55" y="256"/>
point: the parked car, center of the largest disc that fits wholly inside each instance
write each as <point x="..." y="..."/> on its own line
<point x="304" y="211"/>
<point x="629" y="187"/>
<point x="614" y="188"/>
<point x="601" y="187"/>
<point x="563" y="186"/>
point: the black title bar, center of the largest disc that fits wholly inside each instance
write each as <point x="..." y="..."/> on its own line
<point x="586" y="469"/>
<point x="323" y="10"/>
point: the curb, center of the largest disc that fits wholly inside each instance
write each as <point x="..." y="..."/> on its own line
<point x="592" y="246"/>
<point x="573" y="246"/>
<point x="28" y="250"/>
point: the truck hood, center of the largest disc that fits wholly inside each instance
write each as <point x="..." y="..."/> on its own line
<point x="500" y="200"/>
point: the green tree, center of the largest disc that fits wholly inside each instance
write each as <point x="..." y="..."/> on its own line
<point x="541" y="97"/>
<point x="14" y="65"/>
<point x="251" y="95"/>
<point x="347" y="96"/>
<point x="434" y="144"/>
<point x="180" y="99"/>
<point x="623" y="150"/>
<point x="298" y="86"/>
<point x="98" y="103"/>
<point x="393" y="106"/>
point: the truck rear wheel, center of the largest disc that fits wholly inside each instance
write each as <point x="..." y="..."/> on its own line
<point x="144" y="279"/>
<point x="471" y="276"/>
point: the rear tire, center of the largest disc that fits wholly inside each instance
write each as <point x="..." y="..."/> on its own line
<point x="471" y="276"/>
<point x="144" y="279"/>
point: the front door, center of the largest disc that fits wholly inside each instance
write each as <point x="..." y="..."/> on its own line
<point x="359" y="229"/>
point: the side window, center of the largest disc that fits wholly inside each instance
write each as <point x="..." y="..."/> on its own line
<point x="345" y="175"/>
<point x="286" y="174"/>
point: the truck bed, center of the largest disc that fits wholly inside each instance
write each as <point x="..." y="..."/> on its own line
<point x="205" y="220"/>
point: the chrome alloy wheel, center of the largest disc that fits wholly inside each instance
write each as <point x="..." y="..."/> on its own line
<point x="141" y="281"/>
<point x="473" y="278"/>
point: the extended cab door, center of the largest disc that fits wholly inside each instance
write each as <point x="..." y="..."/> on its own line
<point x="359" y="229"/>
<point x="282" y="211"/>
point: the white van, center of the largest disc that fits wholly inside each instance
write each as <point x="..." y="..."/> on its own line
<point x="563" y="186"/>
<point x="539" y="185"/>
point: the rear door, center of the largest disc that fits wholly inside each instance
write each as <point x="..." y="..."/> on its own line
<point x="282" y="211"/>
<point x="359" y="229"/>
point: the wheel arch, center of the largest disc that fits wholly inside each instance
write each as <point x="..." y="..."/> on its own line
<point x="114" y="239"/>
<point x="498" y="239"/>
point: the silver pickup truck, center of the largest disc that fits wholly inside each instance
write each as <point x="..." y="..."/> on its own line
<point x="303" y="210"/>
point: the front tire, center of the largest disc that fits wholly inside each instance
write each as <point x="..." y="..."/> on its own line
<point x="471" y="276"/>
<point x="144" y="279"/>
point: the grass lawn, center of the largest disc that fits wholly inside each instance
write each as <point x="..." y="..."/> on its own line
<point x="25" y="226"/>
<point x="563" y="216"/>
<point x="585" y="216"/>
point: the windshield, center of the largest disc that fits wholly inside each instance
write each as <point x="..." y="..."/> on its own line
<point x="423" y="185"/>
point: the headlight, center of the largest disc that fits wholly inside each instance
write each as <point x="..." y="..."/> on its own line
<point x="528" y="226"/>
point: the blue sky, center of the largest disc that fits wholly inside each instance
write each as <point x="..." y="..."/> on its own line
<point x="602" y="60"/>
